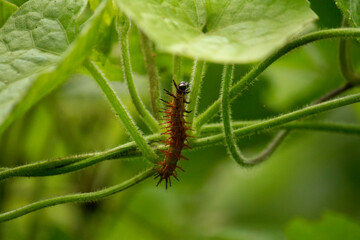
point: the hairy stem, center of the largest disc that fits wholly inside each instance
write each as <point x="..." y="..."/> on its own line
<point x="125" y="118"/>
<point x="298" y="125"/>
<point x="153" y="74"/>
<point x="123" y="28"/>
<point x="73" y="163"/>
<point x="250" y="77"/>
<point x="130" y="150"/>
<point x="241" y="129"/>
<point x="195" y="86"/>
<point x="176" y="68"/>
<point x="42" y="166"/>
<point x="78" y="197"/>
<point x="230" y="141"/>
<point x="282" y="119"/>
<point x="345" y="62"/>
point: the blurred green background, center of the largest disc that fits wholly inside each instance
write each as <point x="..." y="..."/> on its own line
<point x="309" y="189"/>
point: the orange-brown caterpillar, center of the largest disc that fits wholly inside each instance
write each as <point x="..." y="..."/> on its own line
<point x="176" y="127"/>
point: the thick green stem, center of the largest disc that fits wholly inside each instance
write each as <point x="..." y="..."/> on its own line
<point x="153" y="74"/>
<point x="73" y="163"/>
<point x="230" y="141"/>
<point x="123" y="28"/>
<point x="238" y="88"/>
<point x="195" y="86"/>
<point x="125" y="118"/>
<point x="43" y="166"/>
<point x="129" y="150"/>
<point x="79" y="197"/>
<point x="330" y="127"/>
<point x="282" y="119"/>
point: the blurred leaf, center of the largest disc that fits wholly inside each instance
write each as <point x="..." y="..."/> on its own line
<point x="236" y="31"/>
<point x="33" y="40"/>
<point x="107" y="33"/>
<point x="330" y="227"/>
<point x="17" y="2"/>
<point x="6" y="10"/>
<point x="351" y="10"/>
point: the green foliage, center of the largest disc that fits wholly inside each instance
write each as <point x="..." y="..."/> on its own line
<point x="216" y="30"/>
<point x="6" y="10"/>
<point x="331" y="227"/>
<point x="36" y="53"/>
<point x="41" y="47"/>
<point x="350" y="10"/>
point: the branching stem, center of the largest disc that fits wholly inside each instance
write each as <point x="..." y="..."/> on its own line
<point x="120" y="111"/>
<point x="78" y="197"/>
<point x="238" y="88"/>
<point x="195" y="86"/>
<point x="123" y="28"/>
<point x="153" y="75"/>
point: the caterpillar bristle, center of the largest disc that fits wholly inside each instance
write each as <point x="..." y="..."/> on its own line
<point x="175" y="126"/>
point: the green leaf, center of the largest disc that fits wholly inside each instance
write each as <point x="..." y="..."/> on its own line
<point x="330" y="227"/>
<point x="17" y="2"/>
<point x="36" y="54"/>
<point x="350" y="10"/>
<point x="6" y="10"/>
<point x="232" y="31"/>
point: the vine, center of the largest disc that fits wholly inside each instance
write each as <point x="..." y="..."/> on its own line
<point x="226" y="131"/>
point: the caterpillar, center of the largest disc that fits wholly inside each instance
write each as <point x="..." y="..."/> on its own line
<point x="176" y="128"/>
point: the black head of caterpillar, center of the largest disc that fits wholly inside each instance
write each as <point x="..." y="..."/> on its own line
<point x="176" y="128"/>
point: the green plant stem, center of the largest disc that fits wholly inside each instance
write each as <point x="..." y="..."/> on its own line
<point x="42" y="166"/>
<point x="153" y="74"/>
<point x="230" y="141"/>
<point x="345" y="62"/>
<point x="79" y="197"/>
<point x="125" y="118"/>
<point x="73" y="163"/>
<point x="247" y="128"/>
<point x="342" y="128"/>
<point x="129" y="150"/>
<point x="238" y="88"/>
<point x="176" y="68"/>
<point x="282" y="119"/>
<point x="123" y="28"/>
<point x="195" y="86"/>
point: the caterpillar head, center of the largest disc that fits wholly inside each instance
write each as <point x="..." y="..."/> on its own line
<point x="183" y="86"/>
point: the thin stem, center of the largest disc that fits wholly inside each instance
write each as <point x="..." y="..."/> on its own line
<point x="230" y="141"/>
<point x="123" y="28"/>
<point x="228" y="73"/>
<point x="125" y="118"/>
<point x="298" y="125"/>
<point x="43" y="166"/>
<point x="177" y="68"/>
<point x="129" y="150"/>
<point x="345" y="62"/>
<point x="282" y="119"/>
<point x="195" y="86"/>
<point x="334" y="93"/>
<point x="153" y="74"/>
<point x="79" y="197"/>
<point x="73" y="163"/>
<point x="238" y="88"/>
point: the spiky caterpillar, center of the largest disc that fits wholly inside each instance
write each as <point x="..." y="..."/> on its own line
<point x="176" y="127"/>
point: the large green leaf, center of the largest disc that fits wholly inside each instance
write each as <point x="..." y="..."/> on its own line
<point x="6" y="10"/>
<point x="351" y="10"/>
<point x="36" y="53"/>
<point x="331" y="227"/>
<point x="234" y="31"/>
